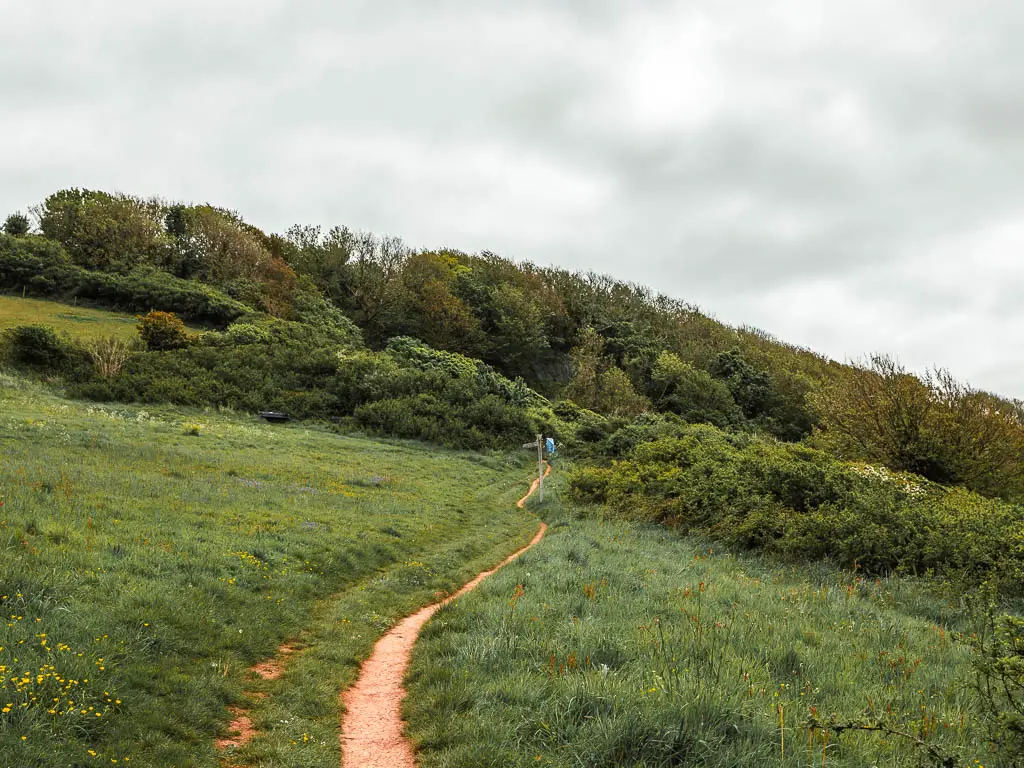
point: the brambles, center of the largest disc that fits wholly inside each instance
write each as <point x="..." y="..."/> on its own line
<point x="999" y="667"/>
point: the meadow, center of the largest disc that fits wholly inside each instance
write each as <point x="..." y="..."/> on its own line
<point x="149" y="557"/>
<point x="81" y="323"/>
<point x="615" y="643"/>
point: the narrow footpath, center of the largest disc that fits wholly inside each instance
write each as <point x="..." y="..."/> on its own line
<point x="371" y="728"/>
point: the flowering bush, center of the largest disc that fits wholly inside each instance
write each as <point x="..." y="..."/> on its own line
<point x="161" y="331"/>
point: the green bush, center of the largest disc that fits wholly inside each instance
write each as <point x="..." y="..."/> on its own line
<point x="568" y="411"/>
<point x="161" y="331"/>
<point x="39" y="267"/>
<point x="287" y="377"/>
<point x="38" y="347"/>
<point x="425" y="358"/>
<point x="269" y="364"/>
<point x="801" y="503"/>
<point x="237" y="334"/>
<point x="486" y="423"/>
<point x="680" y="388"/>
<point x="312" y="309"/>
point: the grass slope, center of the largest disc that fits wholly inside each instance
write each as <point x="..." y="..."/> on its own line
<point x="610" y="644"/>
<point x="148" y="558"/>
<point x="78" y="322"/>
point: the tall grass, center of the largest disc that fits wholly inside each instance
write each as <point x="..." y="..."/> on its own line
<point x="149" y="557"/>
<point x="615" y="644"/>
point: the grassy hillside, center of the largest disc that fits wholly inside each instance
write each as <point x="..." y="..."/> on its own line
<point x="149" y="557"/>
<point x="615" y="644"/>
<point x="81" y="323"/>
<point x="612" y="347"/>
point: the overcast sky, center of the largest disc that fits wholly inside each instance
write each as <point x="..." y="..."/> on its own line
<point x="848" y="175"/>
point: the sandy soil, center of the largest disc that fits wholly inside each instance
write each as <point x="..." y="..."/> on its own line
<point x="241" y="723"/>
<point x="371" y="729"/>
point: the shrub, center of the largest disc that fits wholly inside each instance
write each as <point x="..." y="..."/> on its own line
<point x="36" y="266"/>
<point x="425" y="358"/>
<point x="311" y="308"/>
<point x="40" y="348"/>
<point x="999" y="666"/>
<point x="246" y="333"/>
<point x="266" y="363"/>
<point x="801" y="503"/>
<point x="678" y="387"/>
<point x="109" y="355"/>
<point x="592" y="427"/>
<point x="487" y="423"/>
<point x="567" y="410"/>
<point x="162" y="331"/>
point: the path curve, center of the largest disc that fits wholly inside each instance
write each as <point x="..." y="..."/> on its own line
<point x="371" y="728"/>
<point x="529" y="493"/>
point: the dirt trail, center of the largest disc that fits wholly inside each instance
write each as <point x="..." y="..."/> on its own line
<point x="241" y="728"/>
<point x="371" y="728"/>
<point x="533" y="487"/>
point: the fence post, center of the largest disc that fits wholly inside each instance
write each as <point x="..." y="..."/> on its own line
<point x="540" y="464"/>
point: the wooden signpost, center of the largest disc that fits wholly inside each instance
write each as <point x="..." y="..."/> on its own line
<point x="539" y="445"/>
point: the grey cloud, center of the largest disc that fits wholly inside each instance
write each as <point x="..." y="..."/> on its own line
<point x="827" y="171"/>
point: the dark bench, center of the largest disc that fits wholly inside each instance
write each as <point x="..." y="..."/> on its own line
<point x="275" y="416"/>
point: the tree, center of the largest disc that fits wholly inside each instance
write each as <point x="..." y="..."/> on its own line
<point x="750" y="388"/>
<point x="880" y="412"/>
<point x="429" y="307"/>
<point x="324" y="257"/>
<point x="694" y="394"/>
<point x="934" y="426"/>
<point x="17" y="224"/>
<point x="216" y="246"/>
<point x="104" y="231"/>
<point x="982" y="434"/>
<point x="598" y="384"/>
<point x="373" y="282"/>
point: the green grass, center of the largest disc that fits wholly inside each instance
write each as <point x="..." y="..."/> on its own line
<point x="612" y="644"/>
<point x="80" y="323"/>
<point x="149" y="557"/>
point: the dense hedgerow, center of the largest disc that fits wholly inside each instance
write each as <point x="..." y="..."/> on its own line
<point x="794" y="501"/>
<point x="319" y="372"/>
<point x="459" y="366"/>
<point x="36" y="266"/>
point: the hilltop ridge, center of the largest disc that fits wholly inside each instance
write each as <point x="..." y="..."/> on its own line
<point x="613" y="348"/>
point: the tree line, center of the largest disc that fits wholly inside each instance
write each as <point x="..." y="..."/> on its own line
<point x="614" y="348"/>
